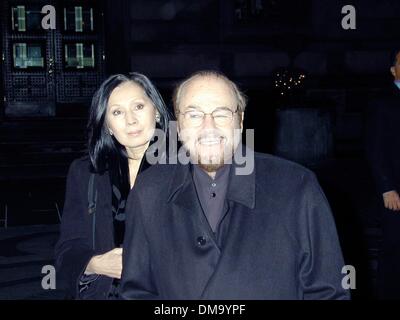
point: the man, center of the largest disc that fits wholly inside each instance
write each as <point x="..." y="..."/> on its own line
<point x="206" y="231"/>
<point x="384" y="152"/>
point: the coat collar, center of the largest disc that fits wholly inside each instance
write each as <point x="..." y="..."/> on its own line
<point x="241" y="188"/>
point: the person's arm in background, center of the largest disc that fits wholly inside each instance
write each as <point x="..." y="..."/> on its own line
<point x="137" y="281"/>
<point x="322" y="260"/>
<point x="379" y="144"/>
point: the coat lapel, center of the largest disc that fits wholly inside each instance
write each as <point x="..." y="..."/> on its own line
<point x="189" y="220"/>
<point x="241" y="196"/>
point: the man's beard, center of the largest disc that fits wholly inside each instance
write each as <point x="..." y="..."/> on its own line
<point x="211" y="166"/>
<point x="214" y="161"/>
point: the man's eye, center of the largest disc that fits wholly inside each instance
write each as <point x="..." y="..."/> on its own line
<point x="221" y="115"/>
<point x="196" y="115"/>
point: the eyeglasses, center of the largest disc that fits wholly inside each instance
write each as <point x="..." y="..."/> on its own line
<point x="221" y="117"/>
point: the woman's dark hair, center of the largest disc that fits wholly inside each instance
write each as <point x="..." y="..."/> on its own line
<point x="103" y="148"/>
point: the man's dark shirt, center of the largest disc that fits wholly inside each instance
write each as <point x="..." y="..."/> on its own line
<point x="212" y="193"/>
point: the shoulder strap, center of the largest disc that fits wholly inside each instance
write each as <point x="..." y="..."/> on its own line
<point x="92" y="199"/>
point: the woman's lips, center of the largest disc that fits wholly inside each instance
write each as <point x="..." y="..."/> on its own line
<point x="134" y="133"/>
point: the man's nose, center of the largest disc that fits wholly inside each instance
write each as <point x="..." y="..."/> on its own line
<point x="208" y="121"/>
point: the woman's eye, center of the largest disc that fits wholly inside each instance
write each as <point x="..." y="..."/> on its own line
<point x="116" y="112"/>
<point x="139" y="107"/>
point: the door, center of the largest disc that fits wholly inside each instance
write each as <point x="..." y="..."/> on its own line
<point x="46" y="67"/>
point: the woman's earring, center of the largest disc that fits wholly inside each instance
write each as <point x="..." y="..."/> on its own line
<point x="111" y="133"/>
<point x="158" y="118"/>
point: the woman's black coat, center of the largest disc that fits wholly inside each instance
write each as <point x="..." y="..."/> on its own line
<point x="75" y="246"/>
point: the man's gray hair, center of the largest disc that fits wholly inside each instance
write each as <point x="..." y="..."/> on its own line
<point x="240" y="96"/>
<point x="393" y="57"/>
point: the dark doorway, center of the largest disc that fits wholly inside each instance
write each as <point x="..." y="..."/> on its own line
<point x="54" y="71"/>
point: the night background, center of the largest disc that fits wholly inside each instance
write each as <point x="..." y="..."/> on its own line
<point x="308" y="81"/>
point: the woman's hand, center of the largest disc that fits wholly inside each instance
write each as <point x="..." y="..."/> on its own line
<point x="391" y="199"/>
<point x="108" y="264"/>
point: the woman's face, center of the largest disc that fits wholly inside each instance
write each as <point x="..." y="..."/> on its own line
<point x="130" y="115"/>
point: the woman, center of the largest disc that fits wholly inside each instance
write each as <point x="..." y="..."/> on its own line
<point x="124" y="114"/>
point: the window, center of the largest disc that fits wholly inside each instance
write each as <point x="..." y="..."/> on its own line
<point x="28" y="55"/>
<point x="78" y="19"/>
<point x="25" y="18"/>
<point x="79" y="55"/>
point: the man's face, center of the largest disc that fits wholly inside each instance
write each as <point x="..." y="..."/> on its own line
<point x="210" y="143"/>
<point x="395" y="70"/>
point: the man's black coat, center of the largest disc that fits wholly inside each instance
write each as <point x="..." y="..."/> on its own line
<point x="383" y="140"/>
<point x="383" y="151"/>
<point x="281" y="242"/>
